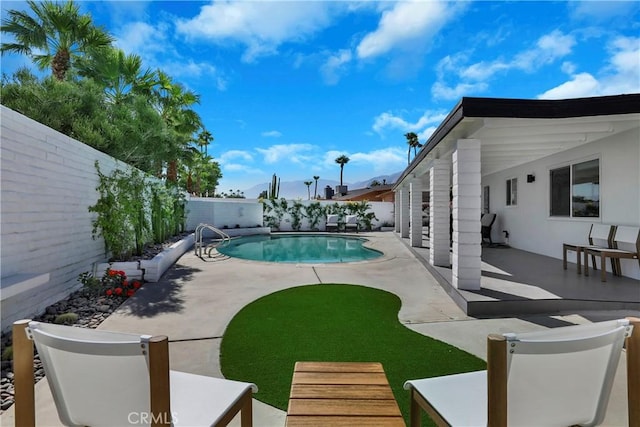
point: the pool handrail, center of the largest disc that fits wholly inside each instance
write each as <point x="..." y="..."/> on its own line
<point x="223" y="240"/>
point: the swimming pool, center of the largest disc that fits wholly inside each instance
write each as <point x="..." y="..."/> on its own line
<point x="294" y="248"/>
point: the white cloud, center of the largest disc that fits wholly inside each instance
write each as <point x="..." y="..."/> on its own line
<point x="407" y="22"/>
<point x="384" y="160"/>
<point x="271" y="134"/>
<point x="155" y="47"/>
<point x="548" y="48"/>
<point x="227" y="156"/>
<point x="237" y="167"/>
<point x="334" y="66"/>
<point x="581" y="85"/>
<point x="621" y="75"/>
<point x="601" y="10"/>
<point x="142" y="38"/>
<point x="296" y="153"/>
<point x="381" y="160"/>
<point x="261" y="26"/>
<point x="440" y="90"/>
<point x="388" y="120"/>
<point x="470" y="79"/>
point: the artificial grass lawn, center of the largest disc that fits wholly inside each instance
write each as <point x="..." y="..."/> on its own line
<point x="331" y="322"/>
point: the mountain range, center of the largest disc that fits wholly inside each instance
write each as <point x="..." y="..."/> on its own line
<point x="297" y="189"/>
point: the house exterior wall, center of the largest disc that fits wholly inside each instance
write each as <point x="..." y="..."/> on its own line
<point x="529" y="224"/>
<point x="48" y="182"/>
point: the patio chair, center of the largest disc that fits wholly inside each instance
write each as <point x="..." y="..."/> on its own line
<point x="555" y="377"/>
<point x="600" y="236"/>
<point x="100" y="378"/>
<point x="487" y="221"/>
<point x="332" y="222"/>
<point x="351" y="223"/>
<point x="626" y="244"/>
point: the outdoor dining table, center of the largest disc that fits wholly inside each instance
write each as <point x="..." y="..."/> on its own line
<point x="342" y="394"/>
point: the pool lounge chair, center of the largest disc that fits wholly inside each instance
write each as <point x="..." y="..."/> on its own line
<point x="560" y="376"/>
<point x="351" y="223"/>
<point x="332" y="222"/>
<point x="108" y="378"/>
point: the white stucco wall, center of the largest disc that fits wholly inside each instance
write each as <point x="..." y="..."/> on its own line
<point x="529" y="224"/>
<point x="48" y="182"/>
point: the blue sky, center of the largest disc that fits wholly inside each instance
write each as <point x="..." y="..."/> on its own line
<point x="288" y="86"/>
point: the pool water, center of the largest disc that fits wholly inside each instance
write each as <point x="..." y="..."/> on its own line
<point x="300" y="248"/>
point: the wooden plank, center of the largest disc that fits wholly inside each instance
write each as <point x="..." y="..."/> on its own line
<point x="313" y="421"/>
<point x="338" y="367"/>
<point x="329" y="407"/>
<point x="340" y="391"/>
<point x="339" y="378"/>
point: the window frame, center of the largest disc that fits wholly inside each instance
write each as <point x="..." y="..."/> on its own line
<point x="509" y="199"/>
<point x="570" y="165"/>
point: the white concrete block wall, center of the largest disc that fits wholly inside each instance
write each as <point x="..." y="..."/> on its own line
<point x="48" y="183"/>
<point x="223" y="212"/>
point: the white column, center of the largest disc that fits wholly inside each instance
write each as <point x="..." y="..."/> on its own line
<point x="404" y="212"/>
<point x="396" y="212"/>
<point x="439" y="213"/>
<point x="415" y="209"/>
<point x="467" y="205"/>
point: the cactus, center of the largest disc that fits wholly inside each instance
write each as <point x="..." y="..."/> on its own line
<point x="274" y="189"/>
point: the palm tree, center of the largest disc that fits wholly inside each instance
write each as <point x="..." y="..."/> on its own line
<point x="55" y="37"/>
<point x="308" y="184"/>
<point x="118" y="73"/>
<point x="412" y="141"/>
<point x="315" y="191"/>
<point x="342" y="160"/>
<point x="204" y="139"/>
<point x="172" y="101"/>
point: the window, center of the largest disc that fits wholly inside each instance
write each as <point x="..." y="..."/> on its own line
<point x="512" y="192"/>
<point x="575" y="190"/>
<point x="485" y="200"/>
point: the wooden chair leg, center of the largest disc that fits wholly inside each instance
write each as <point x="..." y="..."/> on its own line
<point x="633" y="372"/>
<point x="159" y="384"/>
<point x="416" y="412"/>
<point x="497" y="380"/>
<point x="603" y="268"/>
<point x="586" y="263"/>
<point x="578" y="261"/>
<point x="246" y="413"/>
<point x="24" y="379"/>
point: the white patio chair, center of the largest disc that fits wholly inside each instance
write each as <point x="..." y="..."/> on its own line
<point x="100" y="378"/>
<point x="555" y="377"/>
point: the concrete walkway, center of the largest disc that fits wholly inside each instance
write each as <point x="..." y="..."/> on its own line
<point x="196" y="299"/>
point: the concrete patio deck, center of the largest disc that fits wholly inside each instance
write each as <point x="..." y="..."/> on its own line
<point x="196" y="299"/>
<point x="516" y="282"/>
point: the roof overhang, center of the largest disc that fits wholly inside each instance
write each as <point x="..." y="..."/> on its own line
<point x="517" y="131"/>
